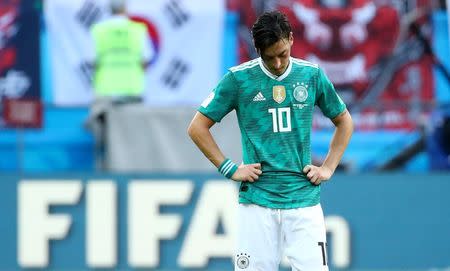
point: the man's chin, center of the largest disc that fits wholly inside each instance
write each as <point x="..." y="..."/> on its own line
<point x="277" y="73"/>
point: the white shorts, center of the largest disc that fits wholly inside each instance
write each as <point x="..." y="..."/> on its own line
<point x="265" y="235"/>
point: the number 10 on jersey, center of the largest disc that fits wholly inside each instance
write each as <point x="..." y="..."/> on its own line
<point x="281" y="119"/>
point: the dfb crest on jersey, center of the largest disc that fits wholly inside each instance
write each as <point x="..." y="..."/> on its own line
<point x="243" y="260"/>
<point x="279" y="93"/>
<point x="301" y="92"/>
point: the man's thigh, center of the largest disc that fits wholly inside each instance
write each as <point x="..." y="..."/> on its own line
<point x="258" y="239"/>
<point x="305" y="238"/>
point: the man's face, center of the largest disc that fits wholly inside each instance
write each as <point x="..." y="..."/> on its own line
<point x="276" y="57"/>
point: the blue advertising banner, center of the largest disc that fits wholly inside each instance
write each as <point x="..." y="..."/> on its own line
<point x="20" y="60"/>
<point x="186" y="222"/>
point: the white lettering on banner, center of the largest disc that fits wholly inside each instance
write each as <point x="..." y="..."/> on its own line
<point x="36" y="227"/>
<point x="146" y="225"/>
<point x="201" y="241"/>
<point x="338" y="227"/>
<point x="101" y="224"/>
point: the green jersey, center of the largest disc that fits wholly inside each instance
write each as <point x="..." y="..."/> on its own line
<point x="275" y="118"/>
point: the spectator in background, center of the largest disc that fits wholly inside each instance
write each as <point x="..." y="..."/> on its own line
<point x="123" y="51"/>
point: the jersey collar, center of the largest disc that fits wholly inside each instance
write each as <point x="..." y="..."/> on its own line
<point x="275" y="77"/>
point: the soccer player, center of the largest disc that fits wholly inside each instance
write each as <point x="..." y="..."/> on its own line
<point x="279" y="199"/>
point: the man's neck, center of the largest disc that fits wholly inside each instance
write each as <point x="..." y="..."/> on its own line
<point x="275" y="75"/>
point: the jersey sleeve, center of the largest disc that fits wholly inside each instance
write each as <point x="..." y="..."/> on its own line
<point x="327" y="98"/>
<point x="221" y="100"/>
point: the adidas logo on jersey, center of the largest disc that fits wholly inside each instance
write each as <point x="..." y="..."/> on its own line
<point x="259" y="97"/>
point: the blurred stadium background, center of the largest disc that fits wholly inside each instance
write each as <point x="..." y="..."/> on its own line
<point x="157" y="203"/>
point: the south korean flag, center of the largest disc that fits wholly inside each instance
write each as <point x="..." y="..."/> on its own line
<point x="187" y="36"/>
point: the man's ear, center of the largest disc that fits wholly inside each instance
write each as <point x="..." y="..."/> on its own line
<point x="291" y="38"/>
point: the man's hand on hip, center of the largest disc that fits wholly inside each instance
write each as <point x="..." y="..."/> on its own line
<point x="247" y="173"/>
<point x="317" y="174"/>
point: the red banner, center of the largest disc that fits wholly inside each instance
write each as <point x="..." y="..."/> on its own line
<point x="376" y="53"/>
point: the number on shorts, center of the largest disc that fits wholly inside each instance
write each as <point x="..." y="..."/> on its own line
<point x="324" y="255"/>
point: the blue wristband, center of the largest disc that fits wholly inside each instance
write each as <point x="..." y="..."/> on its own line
<point x="227" y="168"/>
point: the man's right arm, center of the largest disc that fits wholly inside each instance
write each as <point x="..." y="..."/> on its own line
<point x="199" y="131"/>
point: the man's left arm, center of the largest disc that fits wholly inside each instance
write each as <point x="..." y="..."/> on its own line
<point x="339" y="142"/>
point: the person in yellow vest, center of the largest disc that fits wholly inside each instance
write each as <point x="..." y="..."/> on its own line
<point x="122" y="53"/>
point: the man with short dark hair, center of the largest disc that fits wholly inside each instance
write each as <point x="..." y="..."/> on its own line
<point x="279" y="200"/>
